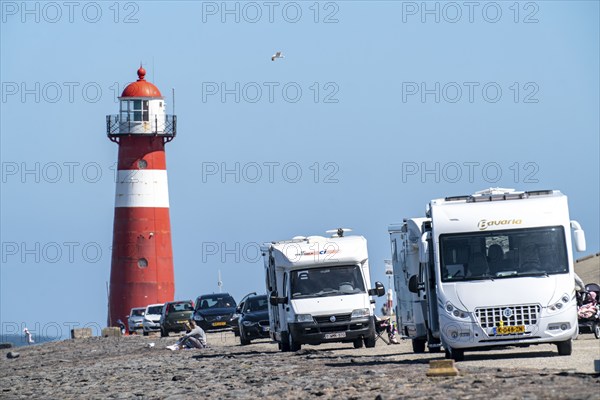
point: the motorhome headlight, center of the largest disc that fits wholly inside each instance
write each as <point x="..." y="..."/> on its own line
<point x="304" y="318"/>
<point x="360" y="313"/>
<point x="455" y="312"/>
<point x="561" y="303"/>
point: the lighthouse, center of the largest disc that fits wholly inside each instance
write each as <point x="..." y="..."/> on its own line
<point x="142" y="257"/>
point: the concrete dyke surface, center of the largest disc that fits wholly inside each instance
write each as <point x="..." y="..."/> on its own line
<point x="131" y="367"/>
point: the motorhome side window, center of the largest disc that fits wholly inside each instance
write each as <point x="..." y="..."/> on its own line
<point x="326" y="281"/>
<point x="503" y="254"/>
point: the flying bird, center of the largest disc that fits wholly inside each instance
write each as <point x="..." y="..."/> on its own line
<point x="277" y="55"/>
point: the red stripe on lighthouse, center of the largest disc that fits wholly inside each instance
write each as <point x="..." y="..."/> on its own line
<point x="142" y="260"/>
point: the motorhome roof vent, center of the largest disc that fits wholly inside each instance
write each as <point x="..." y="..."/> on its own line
<point x="539" y="192"/>
<point x="339" y="232"/>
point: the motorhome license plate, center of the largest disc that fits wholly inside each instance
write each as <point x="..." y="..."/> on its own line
<point x="335" y="335"/>
<point x="223" y="323"/>
<point x="508" y="330"/>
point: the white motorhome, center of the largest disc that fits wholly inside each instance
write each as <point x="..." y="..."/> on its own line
<point x="320" y="290"/>
<point x="490" y="269"/>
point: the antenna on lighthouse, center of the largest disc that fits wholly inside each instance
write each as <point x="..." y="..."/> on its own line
<point x="220" y="282"/>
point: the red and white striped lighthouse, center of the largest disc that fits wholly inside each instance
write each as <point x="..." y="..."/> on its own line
<point x="142" y="258"/>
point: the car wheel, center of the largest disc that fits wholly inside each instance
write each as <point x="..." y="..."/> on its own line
<point x="284" y="345"/>
<point x="455" y="354"/>
<point x="370" y="342"/>
<point x="145" y="333"/>
<point x="163" y="332"/>
<point x="434" y="349"/>
<point x="358" y="343"/>
<point x="596" y="329"/>
<point x="294" y="346"/>
<point x="418" y="346"/>
<point x="565" y="348"/>
<point x="243" y="340"/>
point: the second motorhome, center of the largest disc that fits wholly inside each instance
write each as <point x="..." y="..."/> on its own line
<point x="319" y="289"/>
<point x="490" y="269"/>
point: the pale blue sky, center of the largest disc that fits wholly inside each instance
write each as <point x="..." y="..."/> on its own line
<point x="368" y="125"/>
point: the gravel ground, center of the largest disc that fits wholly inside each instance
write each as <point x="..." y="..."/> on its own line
<point x="127" y="368"/>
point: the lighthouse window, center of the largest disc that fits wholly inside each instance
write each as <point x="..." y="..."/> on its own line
<point x="142" y="263"/>
<point x="124" y="110"/>
<point x="140" y="110"/>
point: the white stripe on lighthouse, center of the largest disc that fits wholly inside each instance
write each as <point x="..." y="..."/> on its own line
<point x="142" y="188"/>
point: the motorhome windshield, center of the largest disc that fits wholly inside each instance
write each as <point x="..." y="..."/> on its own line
<point x="326" y="281"/>
<point x="503" y="254"/>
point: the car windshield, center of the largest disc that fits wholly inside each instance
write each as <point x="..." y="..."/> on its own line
<point x="326" y="281"/>
<point x="175" y="307"/>
<point x="215" y="301"/>
<point x="155" y="310"/>
<point x="138" y="313"/>
<point x="503" y="254"/>
<point x="256" y="304"/>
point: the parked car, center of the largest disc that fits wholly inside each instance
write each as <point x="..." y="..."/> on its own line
<point x="214" y="311"/>
<point x="135" y="319"/>
<point x="236" y="315"/>
<point x="254" y="319"/>
<point x="151" y="321"/>
<point x="174" y="316"/>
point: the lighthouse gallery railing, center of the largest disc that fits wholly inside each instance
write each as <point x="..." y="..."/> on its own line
<point x="165" y="126"/>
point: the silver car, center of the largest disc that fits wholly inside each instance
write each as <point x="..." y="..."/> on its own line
<point x="152" y="318"/>
<point x="135" y="319"/>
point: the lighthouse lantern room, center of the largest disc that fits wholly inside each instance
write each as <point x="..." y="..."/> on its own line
<point x="142" y="258"/>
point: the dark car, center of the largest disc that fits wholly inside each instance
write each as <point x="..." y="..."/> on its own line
<point x="214" y="311"/>
<point x="254" y="319"/>
<point x="175" y="315"/>
<point x="236" y="316"/>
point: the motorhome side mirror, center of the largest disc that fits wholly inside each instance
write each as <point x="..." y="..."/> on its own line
<point x="423" y="249"/>
<point x="413" y="284"/>
<point x="378" y="290"/>
<point x="274" y="300"/>
<point x="578" y="236"/>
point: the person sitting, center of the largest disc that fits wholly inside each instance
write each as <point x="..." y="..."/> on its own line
<point x="195" y="338"/>
<point x="529" y="258"/>
<point x="496" y="259"/>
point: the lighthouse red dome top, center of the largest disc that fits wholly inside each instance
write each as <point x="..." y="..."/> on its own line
<point x="141" y="88"/>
